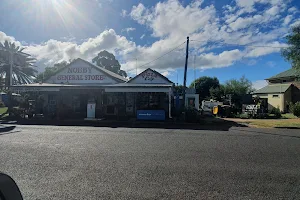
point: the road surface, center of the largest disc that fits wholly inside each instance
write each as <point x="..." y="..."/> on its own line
<point x="60" y="162"/>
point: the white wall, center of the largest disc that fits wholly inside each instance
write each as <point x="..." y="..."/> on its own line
<point x="196" y="97"/>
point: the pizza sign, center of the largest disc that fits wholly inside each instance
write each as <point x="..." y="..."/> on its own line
<point x="149" y="76"/>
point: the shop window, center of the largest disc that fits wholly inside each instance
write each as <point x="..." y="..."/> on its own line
<point x="275" y="96"/>
<point x="150" y="101"/>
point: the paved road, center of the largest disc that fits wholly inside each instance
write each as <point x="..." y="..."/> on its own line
<point x="51" y="162"/>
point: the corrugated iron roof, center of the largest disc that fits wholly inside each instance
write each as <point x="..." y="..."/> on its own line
<point x="139" y="85"/>
<point x="288" y="73"/>
<point x="274" y="88"/>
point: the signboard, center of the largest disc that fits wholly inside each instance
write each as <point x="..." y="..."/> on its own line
<point x="80" y="72"/>
<point x="91" y="110"/>
<point x="151" y="115"/>
<point x="150" y="76"/>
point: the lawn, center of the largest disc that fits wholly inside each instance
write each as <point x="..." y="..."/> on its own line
<point x="270" y="123"/>
<point x="3" y="110"/>
<point x="289" y="116"/>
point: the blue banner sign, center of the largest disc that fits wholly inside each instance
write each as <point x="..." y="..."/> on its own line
<point x="154" y="115"/>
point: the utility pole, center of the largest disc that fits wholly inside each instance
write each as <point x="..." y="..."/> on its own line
<point x="195" y="71"/>
<point x="136" y="67"/>
<point x="185" y="68"/>
<point x="11" y="63"/>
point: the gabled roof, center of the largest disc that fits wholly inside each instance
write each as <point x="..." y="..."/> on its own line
<point x="159" y="74"/>
<point x="273" y="88"/>
<point x="288" y="73"/>
<point x="105" y="71"/>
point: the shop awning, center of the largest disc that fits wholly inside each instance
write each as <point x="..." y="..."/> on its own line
<point x="128" y="87"/>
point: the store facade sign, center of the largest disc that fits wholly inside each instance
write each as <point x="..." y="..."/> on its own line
<point x="149" y="76"/>
<point x="80" y="72"/>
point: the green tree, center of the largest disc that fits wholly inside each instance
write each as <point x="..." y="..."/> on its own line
<point x="23" y="70"/>
<point x="108" y="61"/>
<point x="50" y="71"/>
<point x="203" y="85"/>
<point x="292" y="53"/>
<point x="237" y="89"/>
<point x="217" y="93"/>
<point x="179" y="89"/>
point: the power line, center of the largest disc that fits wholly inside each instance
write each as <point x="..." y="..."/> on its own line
<point x="159" y="56"/>
<point x="246" y="45"/>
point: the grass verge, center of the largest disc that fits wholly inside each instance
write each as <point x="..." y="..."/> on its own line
<point x="270" y="123"/>
<point x="3" y="110"/>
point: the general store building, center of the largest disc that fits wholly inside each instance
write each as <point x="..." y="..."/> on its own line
<point x="69" y="93"/>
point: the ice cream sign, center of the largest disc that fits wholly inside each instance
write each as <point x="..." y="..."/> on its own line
<point x="149" y="75"/>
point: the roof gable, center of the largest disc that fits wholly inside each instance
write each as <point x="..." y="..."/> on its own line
<point x="150" y="76"/>
<point x="288" y="73"/>
<point x="82" y="72"/>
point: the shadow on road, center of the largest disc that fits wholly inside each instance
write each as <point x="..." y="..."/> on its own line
<point x="6" y="129"/>
<point x="282" y="127"/>
<point x="269" y="133"/>
<point x="205" y="124"/>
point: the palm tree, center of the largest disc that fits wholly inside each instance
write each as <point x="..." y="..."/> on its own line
<point x="23" y="71"/>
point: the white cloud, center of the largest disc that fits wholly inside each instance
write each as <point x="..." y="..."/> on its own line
<point x="259" y="84"/>
<point x="171" y="18"/>
<point x="287" y="20"/>
<point x="165" y="73"/>
<point x="292" y="10"/>
<point x="4" y="37"/>
<point x="295" y="23"/>
<point x="170" y="22"/>
<point x="54" y="51"/>
<point x="271" y="64"/>
<point x="242" y="23"/>
<point x="262" y="50"/>
<point x="142" y="36"/>
<point x="124" y="13"/>
<point x="128" y="29"/>
<point x="140" y="13"/>
<point x="273" y="10"/>
<point x="99" y="3"/>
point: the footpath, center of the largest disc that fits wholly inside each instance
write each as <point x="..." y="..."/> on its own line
<point x="205" y="124"/>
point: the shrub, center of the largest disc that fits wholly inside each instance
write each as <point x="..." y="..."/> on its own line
<point x="192" y="115"/>
<point x="2" y="104"/>
<point x="261" y="116"/>
<point x="244" y="116"/>
<point x="276" y="112"/>
<point x="296" y="109"/>
<point x="291" y="107"/>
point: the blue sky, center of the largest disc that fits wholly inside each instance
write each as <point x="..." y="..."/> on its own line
<point x="225" y="35"/>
